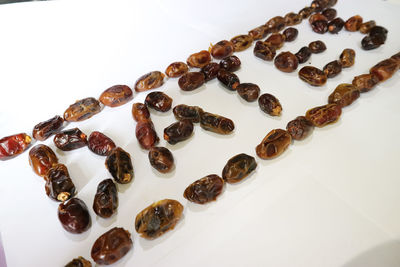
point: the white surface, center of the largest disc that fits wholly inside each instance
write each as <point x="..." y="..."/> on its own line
<point x="331" y="200"/>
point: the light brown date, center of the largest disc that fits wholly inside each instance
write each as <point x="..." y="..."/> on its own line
<point x="241" y="42"/>
<point x="100" y="144"/>
<point x="344" y="95"/>
<point x="367" y="26"/>
<point x="353" y="24"/>
<point x="204" y="190"/>
<point x="116" y="96"/>
<point x="365" y="82"/>
<point x="140" y="112"/>
<point x="41" y="159"/>
<point x="286" y="62"/>
<point x="385" y="69"/>
<point x="324" y="115"/>
<point x="82" y="109"/>
<point x="347" y="57"/>
<point x="273" y="144"/>
<point x="149" y="81"/>
<point x="199" y="60"/>
<point x="216" y="123"/>
<point x="276" y="40"/>
<point x="238" y="167"/>
<point x="259" y="32"/>
<point x="74" y="216"/>
<point x="70" y="139"/>
<point x="292" y="19"/>
<point x="176" y="69"/>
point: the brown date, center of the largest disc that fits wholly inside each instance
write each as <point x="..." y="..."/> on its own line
<point x="151" y="80"/>
<point x="59" y="185"/>
<point x="320" y="26"/>
<point x="317" y="47"/>
<point x="74" y="216"/>
<point x="333" y="68"/>
<point x="70" y="139"/>
<point x="204" y="190"/>
<point x="367" y="26"/>
<point x="199" y="60"/>
<point x="100" y="144"/>
<point x="292" y="19"/>
<point x="276" y="24"/>
<point x="353" y="24"/>
<point x="222" y="49"/>
<point x="344" y="95"/>
<point x="158" y="101"/>
<point x="119" y="164"/>
<point x="216" y="123"/>
<point x="41" y="159"/>
<point x="347" y="58"/>
<point x="369" y="43"/>
<point x="306" y="12"/>
<point x="317" y="17"/>
<point x="241" y="42"/>
<point x="140" y="112"/>
<point x="185" y="112"/>
<point x="324" y="115"/>
<point x="299" y="128"/>
<point x="286" y="62"/>
<point x="161" y="159"/>
<point x="270" y="104"/>
<point x="312" y="76"/>
<point x="290" y="34"/>
<point x="111" y="246"/>
<point x="158" y="218"/>
<point x="259" y="32"/>
<point x="191" y="80"/>
<point x="378" y="34"/>
<point x="105" y="202"/>
<point x="336" y="25"/>
<point x="273" y="144"/>
<point x="329" y="13"/>
<point x="82" y="109"/>
<point x="210" y="71"/>
<point x="385" y="69"/>
<point x="238" y="167"/>
<point x="396" y="57"/>
<point x="178" y="131"/>
<point x="229" y="79"/>
<point x="365" y="82"/>
<point x="116" y="96"/>
<point x="176" y="69"/>
<point x="44" y="129"/>
<point x="13" y="145"/>
<point x="275" y="40"/>
<point x="146" y="134"/>
<point x="79" y="262"/>
<point x="264" y="51"/>
<point x="231" y="63"/>
<point x="303" y="55"/>
<point x="320" y="5"/>
<point x="248" y="91"/>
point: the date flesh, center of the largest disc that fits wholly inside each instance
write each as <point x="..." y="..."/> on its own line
<point x="59" y="185"/>
<point x="276" y="24"/>
<point x="199" y="60"/>
<point x="41" y="159"/>
<point x="290" y="34"/>
<point x="158" y="218"/>
<point x="299" y="128"/>
<point x="264" y="51"/>
<point x="161" y="159"/>
<point x="270" y="104"/>
<point x="347" y="57"/>
<point x="100" y="144"/>
<point x="231" y="63"/>
<point x="158" y="101"/>
<point x="216" y="123"/>
<point x="385" y="69"/>
<point x="317" y="47"/>
<point x="116" y="96"/>
<point x="185" y="112"/>
<point x="149" y="81"/>
<point x="210" y="71"/>
<point x="119" y="164"/>
<point x="13" y="145"/>
<point x="70" y="139"/>
<point x="204" y="190"/>
<point x="44" y="129"/>
<point x="222" y="49"/>
<point x="333" y="68"/>
<point x="303" y="55"/>
<point x="238" y="167"/>
<point x="241" y="42"/>
<point x="324" y="115"/>
<point x="248" y="91"/>
<point x="229" y="79"/>
<point x="146" y="134"/>
<point x="353" y="24"/>
<point x="178" y="131"/>
<point x="276" y="40"/>
<point x="111" y="246"/>
<point x="365" y="82"/>
<point x="82" y="109"/>
<point x="79" y="262"/>
<point x="191" y="80"/>
<point x="74" y="216"/>
<point x="336" y="25"/>
<point x="140" y="113"/>
<point x="312" y="76"/>
<point x="105" y="202"/>
<point x="176" y="69"/>
<point x="273" y="144"/>
<point x="344" y="95"/>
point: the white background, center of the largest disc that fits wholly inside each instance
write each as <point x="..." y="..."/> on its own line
<point x="331" y="200"/>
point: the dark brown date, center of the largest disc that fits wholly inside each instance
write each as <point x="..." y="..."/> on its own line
<point x="365" y="82"/>
<point x="290" y="34"/>
<point x="369" y="43"/>
<point x="185" y="112"/>
<point x="270" y="104"/>
<point x="161" y="159"/>
<point x="74" y="216"/>
<point x="111" y="246"/>
<point x="191" y="80"/>
<point x="333" y="68"/>
<point x="317" y="17"/>
<point x="176" y="69"/>
<point x="79" y="262"/>
<point x="229" y="79"/>
<point x="238" y="167"/>
<point x="303" y="55"/>
<point x="306" y="12"/>
<point x="264" y="51"/>
<point x="276" y="24"/>
<point x="216" y="123"/>
<point x="259" y="32"/>
<point x="324" y="115"/>
<point x="222" y="49"/>
<point x="146" y="134"/>
<point x="367" y="26"/>
<point x="100" y="144"/>
<point x="119" y="164"/>
<point x="199" y="60"/>
<point x="317" y="47"/>
<point x="292" y="19"/>
<point x="82" y="109"/>
<point x="70" y="139"/>
<point x="178" y="131"/>
<point x="273" y="144"/>
<point x="44" y="129"/>
<point x="149" y="81"/>
<point x="158" y="101"/>
<point x="344" y="95"/>
<point x="105" y="202"/>
<point x="396" y="57"/>
<point x="140" y="112"/>
<point x="320" y="5"/>
<point x="248" y="91"/>
<point x="275" y="40"/>
<point x="158" y="218"/>
<point x="299" y="128"/>
<point x="286" y="62"/>
<point x="204" y="190"/>
<point x="347" y="57"/>
<point x="13" y="145"/>
<point x="336" y="25"/>
<point x="116" y="96"/>
<point x="41" y="159"/>
<point x="378" y="34"/>
<point x="320" y="26"/>
<point x="241" y="42"/>
<point x="210" y="71"/>
<point x="312" y="76"/>
<point x="231" y="63"/>
<point x="59" y="185"/>
<point x="353" y="24"/>
<point x="329" y="13"/>
<point x="385" y="69"/>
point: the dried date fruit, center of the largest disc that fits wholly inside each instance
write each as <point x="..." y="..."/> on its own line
<point x="333" y="68"/>
<point x="316" y="17"/>
<point x="229" y="79"/>
<point x="44" y="129"/>
<point x="140" y="112"/>
<point x="59" y="185"/>
<point x="292" y="19"/>
<point x="276" y="40"/>
<point x="299" y="128"/>
<point x="105" y="202"/>
<point x="248" y="91"/>
<point x="347" y="58"/>
<point x="231" y="63"/>
<point x="116" y="96"/>
<point x="204" y="190"/>
<point x="312" y="76"/>
<point x="259" y="32"/>
<point x="378" y="34"/>
<point x="369" y="43"/>
<point x="273" y="144"/>
<point x="146" y="134"/>
<point x="161" y="159"/>
<point x="365" y="82"/>
<point x="329" y="13"/>
<point x="286" y="62"/>
<point x="74" y="216"/>
<point x="191" y="80"/>
<point x="158" y="218"/>
<point x="41" y="159"/>
<point x="336" y="25"/>
<point x="70" y="139"/>
<point x="111" y="246"/>
<point x="290" y="34"/>
<point x="324" y="115"/>
<point x="306" y="12"/>
<point x="151" y="80"/>
<point x="241" y="42"/>
<point x="119" y="164"/>
<point x="385" y="69"/>
<point x="185" y="112"/>
<point x="270" y="104"/>
<point x="210" y="71"/>
<point x="303" y="55"/>
<point x="222" y="49"/>
<point x="13" y="145"/>
<point x="238" y="167"/>
<point x="178" y="131"/>
<point x="199" y="60"/>
<point x="158" y="101"/>
<point x="317" y="47"/>
<point x="82" y="109"/>
<point x="216" y="123"/>
<point x="344" y="95"/>
<point x="396" y="57"/>
<point x="367" y="26"/>
<point x="320" y="5"/>
<point x="264" y="51"/>
<point x="276" y="24"/>
<point x="79" y="262"/>
<point x="320" y="26"/>
<point x="353" y="24"/>
<point x="176" y="69"/>
<point x="100" y="144"/>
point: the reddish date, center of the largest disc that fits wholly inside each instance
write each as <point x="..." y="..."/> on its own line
<point x="204" y="190"/>
<point x="385" y="69"/>
<point x="116" y="96"/>
<point x="13" y="145"/>
<point x="273" y="144"/>
<point x="43" y="130"/>
<point x="105" y="202"/>
<point x="59" y="185"/>
<point x="146" y="134"/>
<point x="333" y="68"/>
<point x="41" y="159"/>
<point x="74" y="216"/>
<point x="161" y="159"/>
<point x="70" y="139"/>
<point x="140" y="112"/>
<point x="100" y="144"/>
<point x="353" y="24"/>
<point x="82" y="109"/>
<point x="365" y="82"/>
<point x="158" y="101"/>
<point x="238" y="167"/>
<point x="286" y="62"/>
<point x="119" y="164"/>
<point x="149" y="81"/>
<point x="324" y="115"/>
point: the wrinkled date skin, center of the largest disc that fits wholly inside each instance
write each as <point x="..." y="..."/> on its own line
<point x="100" y="144"/>
<point x="229" y="79"/>
<point x="231" y="63"/>
<point x="222" y="49"/>
<point x="158" y="218"/>
<point x="111" y="246"/>
<point x="347" y="57"/>
<point x="336" y="25"/>
<point x="353" y="24"/>
<point x="259" y="32"/>
<point x="317" y="47"/>
<point x="161" y="159"/>
<point x="158" y="101"/>
<point x="185" y="112"/>
<point x="344" y="95"/>
<point x="241" y="42"/>
<point x="43" y="130"/>
<point x="276" y="40"/>
<point x="365" y="82"/>
<point x="264" y="51"/>
<point x="41" y="159"/>
<point x="367" y="26"/>
<point x="105" y="202"/>
<point x="329" y="13"/>
<point x="149" y="81"/>
<point x="146" y="134"/>
<point x="273" y="144"/>
<point x="333" y="68"/>
<point x="270" y="104"/>
<point x="79" y="262"/>
<point x="70" y="139"/>
<point x="303" y="55"/>
<point x="248" y="91"/>
<point x="191" y="80"/>
<point x="74" y="216"/>
<point x="312" y="76"/>
<point x="116" y="96"/>
<point x="13" y="145"/>
<point x="276" y="24"/>
<point x="119" y="164"/>
<point x="378" y="34"/>
<point x="299" y="128"/>
<point x="385" y="69"/>
<point x="204" y="190"/>
<point x="199" y="60"/>
<point x="210" y="71"/>
<point x="140" y="112"/>
<point x="238" y="167"/>
<point x="292" y="19"/>
<point x="324" y="115"/>
<point x="216" y="123"/>
<point x="286" y="62"/>
<point x="178" y="131"/>
<point x="59" y="185"/>
<point x="290" y="34"/>
<point x="82" y="109"/>
<point x="176" y="69"/>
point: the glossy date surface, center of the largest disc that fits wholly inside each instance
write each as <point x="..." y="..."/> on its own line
<point x="238" y="167"/>
<point x="13" y="145"/>
<point x="82" y="109"/>
<point x="119" y="164"/>
<point x="204" y="190"/>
